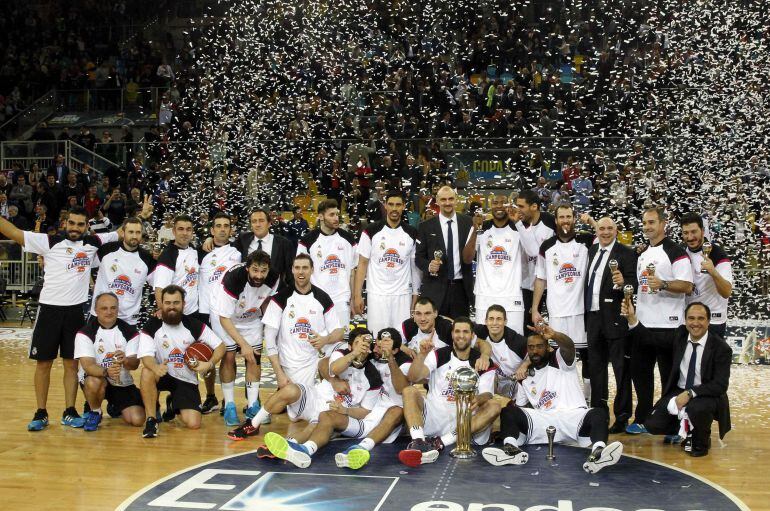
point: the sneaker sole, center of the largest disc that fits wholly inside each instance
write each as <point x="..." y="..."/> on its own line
<point x="279" y="446"/>
<point x="354" y="459"/>
<point x="610" y="455"/>
<point x="498" y="458"/>
<point x="414" y="458"/>
<point x="70" y="424"/>
<point x="264" y="453"/>
<point x="210" y="410"/>
<point x="30" y="427"/>
<point x="232" y="422"/>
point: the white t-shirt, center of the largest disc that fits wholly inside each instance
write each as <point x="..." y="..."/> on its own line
<point x="563" y="266"/>
<point x="705" y="290"/>
<point x="236" y="299"/>
<point x="124" y="273"/>
<point x="179" y="266"/>
<point x="100" y="343"/>
<point x="389" y="392"/>
<point x="442" y="364"/>
<point x="500" y="260"/>
<point x="334" y="258"/>
<point x="553" y="387"/>
<point x="532" y="236"/>
<point x="365" y="383"/>
<point x="662" y="309"/>
<point x="507" y="355"/>
<point x="213" y="266"/>
<point x="392" y="270"/>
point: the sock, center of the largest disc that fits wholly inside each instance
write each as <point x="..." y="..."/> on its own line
<point x="597" y="445"/>
<point x="417" y="433"/>
<point x="71" y="411"/>
<point x="311" y="447"/>
<point x="516" y="442"/>
<point x="42" y="411"/>
<point x="261" y="415"/>
<point x="252" y="392"/>
<point x="448" y="438"/>
<point x="228" y="391"/>
<point x="367" y="443"/>
<point x="290" y="439"/>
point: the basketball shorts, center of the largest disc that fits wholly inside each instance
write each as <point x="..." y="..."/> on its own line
<point x="55" y="330"/>
<point x="440" y="418"/>
<point x="360" y="428"/>
<point x="303" y="375"/>
<point x="254" y="337"/>
<point x="309" y="405"/>
<point x="185" y="395"/>
<point x="384" y="311"/>
<point x="514" y="319"/>
<point x="572" y="326"/>
<point x="566" y="422"/>
<point x="123" y="397"/>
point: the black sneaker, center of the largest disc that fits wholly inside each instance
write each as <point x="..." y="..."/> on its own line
<point x="687" y="444"/>
<point x="113" y="411"/>
<point x="243" y="431"/>
<point x="211" y="404"/>
<point x="150" y="428"/>
<point x="169" y="413"/>
<point x="603" y="457"/>
<point x="508" y="455"/>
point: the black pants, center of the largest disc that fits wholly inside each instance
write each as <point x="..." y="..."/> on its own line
<point x="602" y="351"/>
<point x="701" y="410"/>
<point x="645" y="353"/>
<point x="720" y="330"/>
<point x="514" y="422"/>
<point x="456" y="302"/>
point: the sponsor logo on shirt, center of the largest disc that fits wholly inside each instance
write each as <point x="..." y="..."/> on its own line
<point x="448" y="392"/>
<point x="546" y="399"/>
<point x="121" y="285"/>
<point x="218" y="272"/>
<point x="108" y="359"/>
<point x="498" y="256"/>
<point x="332" y="264"/>
<point x="191" y="276"/>
<point x="176" y="358"/>
<point x="301" y="328"/>
<point x="391" y="258"/>
<point x="80" y="262"/>
<point x="568" y="273"/>
<point x="249" y="313"/>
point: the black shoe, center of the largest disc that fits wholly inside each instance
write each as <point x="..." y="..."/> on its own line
<point x="618" y="427"/>
<point x="221" y="408"/>
<point x="687" y="444"/>
<point x="150" y="428"/>
<point x="698" y="452"/>
<point x="113" y="411"/>
<point x="211" y="404"/>
<point x="603" y="457"/>
<point x="508" y="455"/>
<point x="169" y="413"/>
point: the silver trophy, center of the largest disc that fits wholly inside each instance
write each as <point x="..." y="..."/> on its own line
<point x="311" y="337"/>
<point x="464" y="383"/>
<point x="651" y="273"/>
<point x="437" y="255"/>
<point x="628" y="292"/>
<point x="550" y="431"/>
<point x="613" y="263"/>
<point x="706" y="251"/>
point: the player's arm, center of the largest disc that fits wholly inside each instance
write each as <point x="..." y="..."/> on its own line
<point x="482" y="364"/>
<point x="360" y="276"/>
<point x="271" y="348"/>
<point x="418" y="371"/>
<point x="11" y="232"/>
<point x="91" y="368"/>
<point x="563" y="341"/>
<point x="342" y="362"/>
<point x="131" y="363"/>
<point x="150" y="363"/>
<point x="397" y="376"/>
<point x="537" y="295"/>
<point x="469" y="250"/>
<point x="724" y="287"/>
<point x="357" y="412"/>
<point x="672" y="286"/>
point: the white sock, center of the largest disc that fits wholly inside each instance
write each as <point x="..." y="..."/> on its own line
<point x="252" y="392"/>
<point x="448" y="438"/>
<point x="311" y="447"/>
<point x="367" y="443"/>
<point x="598" y="444"/>
<point x="516" y="442"/>
<point x="228" y="391"/>
<point x="261" y="415"/>
<point x="417" y="433"/>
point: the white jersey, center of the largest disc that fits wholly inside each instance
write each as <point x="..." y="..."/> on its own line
<point x="334" y="259"/>
<point x="179" y="266"/>
<point x="168" y="343"/>
<point x="500" y="260"/>
<point x="705" y="290"/>
<point x="295" y="315"/>
<point x="124" y="273"/>
<point x="235" y="298"/>
<point x="507" y="355"/>
<point x="563" y="265"/>
<point x="213" y="266"/>
<point x="392" y="270"/>
<point x="442" y="364"/>
<point x="67" y="265"/>
<point x="662" y="309"/>
<point x="389" y="392"/>
<point x="100" y="343"/>
<point x="365" y="383"/>
<point x="413" y="336"/>
<point x="554" y="387"/>
<point x="532" y="236"/>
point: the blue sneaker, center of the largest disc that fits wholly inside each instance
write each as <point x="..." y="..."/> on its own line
<point x="281" y="448"/>
<point x="92" y="421"/>
<point x="72" y="419"/>
<point x="39" y="421"/>
<point x="353" y="457"/>
<point x="636" y="429"/>
<point x="231" y="415"/>
<point x="253" y="410"/>
<point x="672" y="439"/>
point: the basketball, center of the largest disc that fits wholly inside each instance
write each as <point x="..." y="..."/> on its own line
<point x="197" y="352"/>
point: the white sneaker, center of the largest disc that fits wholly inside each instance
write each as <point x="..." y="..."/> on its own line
<point x="603" y="457"/>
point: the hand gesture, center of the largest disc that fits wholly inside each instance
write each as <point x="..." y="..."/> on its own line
<point x="478" y="220"/>
<point x="409" y="352"/>
<point x="282" y="380"/>
<point x="545" y="330"/>
<point x="119" y="356"/>
<point x="248" y="353"/>
<point x="386" y="352"/>
<point x="513" y="213"/>
<point x="147" y="208"/>
<point x="203" y="367"/>
<point x="536" y="317"/>
<point x="336" y="406"/>
<point x="358" y="305"/>
<point x="627" y="309"/>
<point x="340" y="387"/>
<point x="682" y="400"/>
<point x="521" y="373"/>
<point x="361" y="351"/>
<point x="426" y="346"/>
<point x="160" y="370"/>
<point x="654" y="282"/>
<point x="208" y="244"/>
<point x="113" y="372"/>
<point x="585" y="218"/>
<point x="317" y="341"/>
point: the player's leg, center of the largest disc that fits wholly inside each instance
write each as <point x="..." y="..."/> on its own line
<point x="482" y="303"/>
<point x="72" y="321"/>
<point x="211" y="403"/>
<point x="595" y="425"/>
<point x="133" y="415"/>
<point x="227" y="377"/>
<point x="126" y="403"/>
<point x="378" y="312"/>
<point x="292" y="395"/>
<point x="187" y="399"/>
<point x="357" y="455"/>
<point x="94" y="388"/>
<point x="417" y="414"/>
<point x="301" y="450"/>
<point x="515" y="321"/>
<point x="401" y="310"/>
<point x="481" y="422"/>
<point x="642" y="367"/>
<point x="149" y="390"/>
<point x="44" y="349"/>
<point x="414" y="407"/>
<point x="514" y="427"/>
<point x="253" y="377"/>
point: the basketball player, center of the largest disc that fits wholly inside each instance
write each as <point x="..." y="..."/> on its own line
<point x="236" y="317"/>
<point x="386" y="261"/>
<point x="553" y="392"/>
<point x="162" y="345"/>
<point x="178" y="265"/>
<point x="426" y="323"/>
<point x="435" y="415"/>
<point x="500" y="260"/>
<point x="106" y="348"/>
<point x="68" y="261"/>
<point x="509" y="349"/>
<point x="333" y="251"/>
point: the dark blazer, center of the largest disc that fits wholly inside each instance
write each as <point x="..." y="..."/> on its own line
<point x="429" y="239"/>
<point x="714" y="370"/>
<point x="610" y="324"/>
<point x="281" y="255"/>
<point x="52" y="171"/>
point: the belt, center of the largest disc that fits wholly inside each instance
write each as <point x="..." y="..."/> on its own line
<point x="455" y="282"/>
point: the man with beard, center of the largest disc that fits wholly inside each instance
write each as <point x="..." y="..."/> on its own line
<point x="162" y="345"/>
<point x="236" y="317"/>
<point x="561" y="267"/>
<point x="68" y="263"/>
<point x="553" y="392"/>
<point x="500" y="263"/>
<point x="124" y="267"/>
<point x="333" y="251"/>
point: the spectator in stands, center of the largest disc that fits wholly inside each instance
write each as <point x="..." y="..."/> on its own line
<point x="4" y="205"/>
<point x="543" y="191"/>
<point x="103" y="188"/>
<point x="59" y="170"/>
<point x="570" y="172"/>
<point x="297" y="226"/>
<point x="21" y="195"/>
<point x="115" y="206"/>
<point x="73" y="187"/>
<point x="99" y="223"/>
<point x="16" y="219"/>
<point x="35" y="174"/>
<point x="5" y="186"/>
<point x="92" y="202"/>
<point x="42" y="223"/>
<point x="86" y="138"/>
<point x="583" y="189"/>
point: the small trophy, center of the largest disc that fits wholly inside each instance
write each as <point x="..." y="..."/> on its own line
<point x="437" y="255"/>
<point x="706" y="251"/>
<point x="651" y="273"/>
<point x="311" y="336"/>
<point x="628" y="292"/>
<point x="613" y="268"/>
<point x="550" y="431"/>
<point x="464" y="383"/>
<point x="113" y="364"/>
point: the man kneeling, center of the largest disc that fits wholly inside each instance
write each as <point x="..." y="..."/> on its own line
<point x="553" y="390"/>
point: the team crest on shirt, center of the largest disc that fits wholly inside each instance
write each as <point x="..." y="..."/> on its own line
<point x="69" y="250"/>
<point x="546" y="400"/>
<point x="165" y="345"/>
<point x="391" y="258"/>
<point x="301" y="328"/>
<point x="100" y="349"/>
<point x="568" y="273"/>
<point x="80" y="262"/>
<point x="291" y="314"/>
<point x="191" y="276"/>
<point x="121" y="285"/>
<point x="176" y="357"/>
<point x="218" y="271"/>
<point x="332" y="264"/>
<point x="114" y="268"/>
<point x="498" y="256"/>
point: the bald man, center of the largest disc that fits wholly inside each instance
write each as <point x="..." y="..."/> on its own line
<point x="446" y="278"/>
<point x="606" y="330"/>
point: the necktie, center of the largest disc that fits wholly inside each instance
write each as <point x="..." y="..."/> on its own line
<point x="690" y="380"/>
<point x="259" y="244"/>
<point x="590" y="289"/>
<point x="450" y="249"/>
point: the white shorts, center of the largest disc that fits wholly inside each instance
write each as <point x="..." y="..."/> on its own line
<point x="309" y="405"/>
<point x="439" y="419"/>
<point x="253" y="336"/>
<point x="302" y="375"/>
<point x="572" y="326"/>
<point x="360" y="428"/>
<point x="387" y="311"/>
<point x="566" y="422"/>
<point x="342" y="308"/>
<point x="514" y="319"/>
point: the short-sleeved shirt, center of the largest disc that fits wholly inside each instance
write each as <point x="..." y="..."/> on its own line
<point x="213" y="266"/>
<point x="365" y="383"/>
<point x="334" y="258"/>
<point x="532" y="237"/>
<point x="391" y="258"/>
<point x="179" y="266"/>
<point x="235" y="298"/>
<point x="123" y="272"/>
<point x="500" y="260"/>
<point x="295" y="315"/>
<point x="662" y="309"/>
<point x="67" y="265"/>
<point x="442" y="363"/>
<point x="413" y="336"/>
<point x="168" y="343"/>
<point x="389" y="392"/>
<point x="705" y="290"/>
<point x="507" y="354"/>
<point x="553" y="387"/>
<point x="101" y="344"/>
<point x="563" y="265"/>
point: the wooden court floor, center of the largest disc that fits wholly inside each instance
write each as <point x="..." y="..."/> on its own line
<point x="62" y="468"/>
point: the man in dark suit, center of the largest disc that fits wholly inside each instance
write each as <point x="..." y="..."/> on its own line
<point x="281" y="249"/>
<point x="606" y="330"/>
<point x="446" y="280"/>
<point x="696" y="390"/>
<point x="59" y="170"/>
